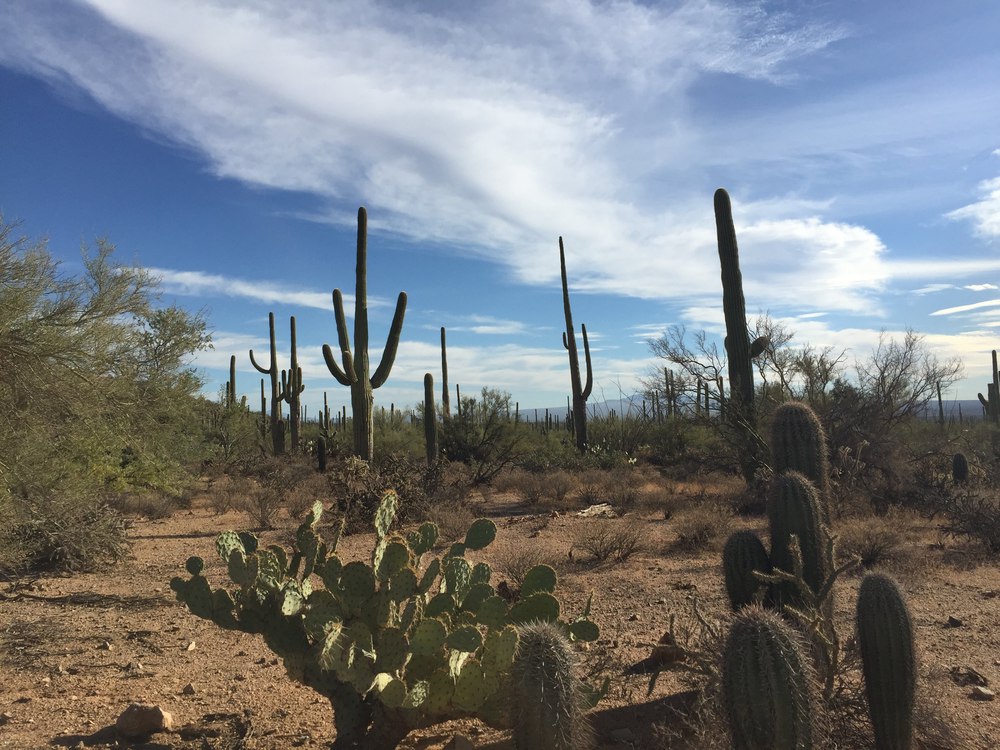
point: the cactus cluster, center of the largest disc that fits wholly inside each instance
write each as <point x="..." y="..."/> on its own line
<point x="393" y="644"/>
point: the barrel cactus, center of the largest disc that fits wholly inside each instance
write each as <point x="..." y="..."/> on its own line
<point x="885" y="639"/>
<point x="545" y="694"/>
<point x="960" y="468"/>
<point x="767" y="685"/>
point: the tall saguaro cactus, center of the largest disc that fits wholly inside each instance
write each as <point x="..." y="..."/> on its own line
<point x="445" y="396"/>
<point x="739" y="350"/>
<point x="291" y="389"/>
<point x="277" y="430"/>
<point x="580" y="392"/>
<point x="354" y="372"/>
<point x="430" y="420"/>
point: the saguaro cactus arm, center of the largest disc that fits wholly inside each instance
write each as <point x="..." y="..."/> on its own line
<point x="347" y="375"/>
<point x="273" y="367"/>
<point x="589" y="385"/>
<point x="391" y="343"/>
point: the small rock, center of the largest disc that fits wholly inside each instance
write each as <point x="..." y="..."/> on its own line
<point x="105" y="646"/>
<point x="458" y="742"/>
<point x="982" y="694"/>
<point x="623" y="735"/>
<point x="191" y="646"/>
<point x="5" y="718"/>
<point x="953" y="622"/>
<point x="142" y="719"/>
<point x="633" y="617"/>
<point x="967" y="676"/>
<point x="660" y="601"/>
<point x="188" y="689"/>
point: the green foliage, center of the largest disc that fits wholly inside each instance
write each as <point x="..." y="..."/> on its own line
<point x="885" y="639"/>
<point x="393" y="643"/>
<point x="767" y="685"/>
<point x="482" y="435"/>
<point x="96" y="397"/>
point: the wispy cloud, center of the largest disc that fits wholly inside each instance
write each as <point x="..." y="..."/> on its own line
<point x="488" y="325"/>
<point x="199" y="284"/>
<point x="981" y="287"/>
<point x="984" y="213"/>
<point x="967" y="308"/>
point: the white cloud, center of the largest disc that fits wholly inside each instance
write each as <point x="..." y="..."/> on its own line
<point x="199" y="284"/>
<point x="933" y="288"/>
<point x="984" y="213"/>
<point x="967" y="308"/>
<point x="981" y="287"/>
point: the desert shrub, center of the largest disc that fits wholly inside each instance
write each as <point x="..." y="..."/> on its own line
<point x="452" y="516"/>
<point x="976" y="517"/>
<point x="623" y="488"/>
<point x="59" y="533"/>
<point x="358" y="486"/>
<point x="529" y="486"/>
<point x="311" y="487"/>
<point x="592" y="486"/>
<point x="482" y="435"/>
<point x="701" y="527"/>
<point x="559" y="484"/>
<point x="874" y="540"/>
<point x="514" y="560"/>
<point x="607" y="538"/>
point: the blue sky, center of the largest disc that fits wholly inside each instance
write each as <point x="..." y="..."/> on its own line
<point x="228" y="145"/>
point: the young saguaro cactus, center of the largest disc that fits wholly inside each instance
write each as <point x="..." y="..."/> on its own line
<point x="767" y="685"/>
<point x="885" y="639"/>
<point x="354" y="372"/>
<point x="798" y="443"/>
<point x="581" y="392"/>
<point x="743" y="554"/>
<point x="277" y="432"/>
<point x="546" y="704"/>
<point x="793" y="508"/>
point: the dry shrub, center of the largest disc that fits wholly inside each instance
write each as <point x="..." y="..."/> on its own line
<point x="607" y="538"/>
<point x="452" y="516"/>
<point x="261" y="504"/>
<point x="300" y="499"/>
<point x="875" y="540"/>
<point x="514" y="560"/>
<point x="976" y="517"/>
<point x="702" y="527"/>
<point x="623" y="488"/>
<point x="560" y="484"/>
<point x="592" y="487"/>
<point x="530" y="487"/>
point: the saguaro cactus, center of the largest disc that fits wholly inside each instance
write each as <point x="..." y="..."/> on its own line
<point x="291" y="389"/>
<point x="430" y="420"/>
<point x="231" y="384"/>
<point x="355" y="366"/>
<point x="767" y="690"/>
<point x="885" y="639"/>
<point x="739" y="349"/>
<point x="277" y="432"/>
<point x="798" y="443"/>
<point x="580" y="392"/>
<point x="445" y="396"/>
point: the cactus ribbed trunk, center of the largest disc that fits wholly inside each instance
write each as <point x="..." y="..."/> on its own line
<point x="277" y="430"/>
<point x="581" y="392"/>
<point x="430" y="420"/>
<point x="445" y="395"/>
<point x="740" y="405"/>
<point x="355" y="365"/>
<point x="291" y="389"/>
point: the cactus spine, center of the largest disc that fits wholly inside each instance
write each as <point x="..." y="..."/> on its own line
<point x="355" y="366"/>
<point x="545" y="700"/>
<point x="798" y="443"/>
<point x="740" y="406"/>
<point x="580" y="392"/>
<point x="767" y="685"/>
<point x="430" y="420"/>
<point x="885" y="639"/>
<point x="445" y="395"/>
<point x="277" y="431"/>
<point x="291" y="389"/>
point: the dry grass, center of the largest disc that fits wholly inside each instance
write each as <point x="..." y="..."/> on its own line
<point x="702" y="527"/>
<point x="513" y="561"/>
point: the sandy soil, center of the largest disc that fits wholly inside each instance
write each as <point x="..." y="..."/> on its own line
<point x="75" y="651"/>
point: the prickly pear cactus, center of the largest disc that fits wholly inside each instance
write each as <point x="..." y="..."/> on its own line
<point x="395" y="643"/>
<point x="885" y="639"/>
<point x="545" y="696"/>
<point x="767" y="685"/>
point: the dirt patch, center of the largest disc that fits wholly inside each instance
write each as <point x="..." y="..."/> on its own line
<point x="74" y="651"/>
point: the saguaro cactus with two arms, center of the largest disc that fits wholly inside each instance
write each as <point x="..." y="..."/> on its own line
<point x="277" y="431"/>
<point x="354" y="372"/>
<point x="580" y="392"/>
